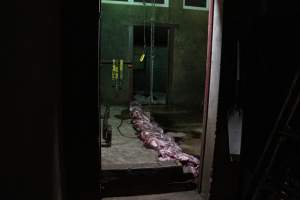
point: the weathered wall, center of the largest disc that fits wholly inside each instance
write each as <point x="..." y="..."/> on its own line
<point x="189" y="49"/>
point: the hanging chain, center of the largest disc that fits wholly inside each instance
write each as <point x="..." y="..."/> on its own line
<point x="152" y="50"/>
<point x="145" y="44"/>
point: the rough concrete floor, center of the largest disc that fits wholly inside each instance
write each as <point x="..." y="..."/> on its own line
<point x="126" y="150"/>
<point x="158" y="98"/>
<point x="187" y="195"/>
<point x="184" y="125"/>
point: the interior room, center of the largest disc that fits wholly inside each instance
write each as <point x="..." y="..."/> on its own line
<point x="153" y="60"/>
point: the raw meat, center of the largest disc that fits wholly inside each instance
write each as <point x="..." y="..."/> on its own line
<point x="153" y="137"/>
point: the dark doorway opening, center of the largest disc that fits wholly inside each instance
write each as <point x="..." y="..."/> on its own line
<point x="161" y="56"/>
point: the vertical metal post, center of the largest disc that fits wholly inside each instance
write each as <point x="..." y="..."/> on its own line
<point x="152" y="51"/>
<point x="99" y="68"/>
<point x="151" y="66"/>
<point x="99" y="94"/>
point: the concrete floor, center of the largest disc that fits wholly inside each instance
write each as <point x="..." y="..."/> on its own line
<point x="184" y="125"/>
<point x="158" y="98"/>
<point x="187" y="195"/>
<point x="128" y="150"/>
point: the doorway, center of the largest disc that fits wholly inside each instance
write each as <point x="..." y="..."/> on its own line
<point x="177" y="117"/>
<point x="142" y="71"/>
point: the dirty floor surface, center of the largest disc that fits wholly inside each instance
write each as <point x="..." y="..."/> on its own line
<point x="184" y="125"/>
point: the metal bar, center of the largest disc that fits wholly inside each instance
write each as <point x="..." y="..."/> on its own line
<point x="295" y="106"/>
<point x="99" y="95"/>
<point x="290" y="136"/>
<point x="152" y="51"/>
<point x="151" y="66"/>
<point x="109" y="62"/>
<point x="267" y="170"/>
<point x="99" y="90"/>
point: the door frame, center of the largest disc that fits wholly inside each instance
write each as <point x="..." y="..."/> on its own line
<point x="211" y="96"/>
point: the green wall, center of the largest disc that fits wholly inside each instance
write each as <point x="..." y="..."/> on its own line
<point x="189" y="49"/>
